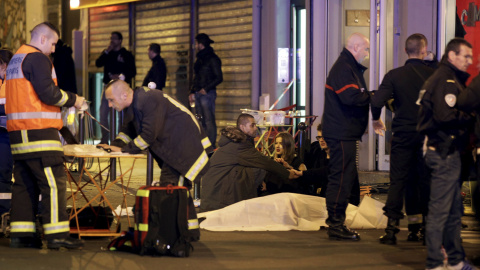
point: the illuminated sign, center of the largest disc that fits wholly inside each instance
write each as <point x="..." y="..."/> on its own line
<point x="473" y="15"/>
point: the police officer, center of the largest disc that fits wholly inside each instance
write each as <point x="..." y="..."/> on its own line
<point x="445" y="127"/>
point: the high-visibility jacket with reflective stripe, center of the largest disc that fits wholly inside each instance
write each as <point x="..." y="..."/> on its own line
<point x="25" y="110"/>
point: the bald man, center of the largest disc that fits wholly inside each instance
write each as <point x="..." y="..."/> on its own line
<point x="345" y="119"/>
<point x="168" y="130"/>
<point x="33" y="120"/>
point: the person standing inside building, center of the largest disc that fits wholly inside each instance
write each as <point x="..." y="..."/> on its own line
<point x="33" y="121"/>
<point x="445" y="127"/>
<point x="116" y="61"/>
<point x="208" y="75"/>
<point x="6" y="160"/>
<point x="407" y="167"/>
<point x="345" y="119"/>
<point x="158" y="71"/>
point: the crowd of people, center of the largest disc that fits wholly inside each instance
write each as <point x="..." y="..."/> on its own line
<point x="435" y="115"/>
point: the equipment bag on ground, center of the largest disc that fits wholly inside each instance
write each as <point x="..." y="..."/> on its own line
<point x="161" y="221"/>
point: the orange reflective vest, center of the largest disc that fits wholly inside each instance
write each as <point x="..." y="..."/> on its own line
<point x="25" y="111"/>
<point x="2" y="91"/>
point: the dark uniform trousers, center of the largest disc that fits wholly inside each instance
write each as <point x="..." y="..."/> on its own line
<point x="341" y="179"/>
<point x="51" y="184"/>
<point x="6" y="167"/>
<point x="170" y="176"/>
<point x="409" y="178"/>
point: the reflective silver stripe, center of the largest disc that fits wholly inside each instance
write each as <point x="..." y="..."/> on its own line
<point x="14" y="68"/>
<point x="192" y="224"/>
<point x="2" y="101"/>
<point x="5" y="196"/>
<point x="23" y="148"/>
<point x="206" y="143"/>
<point x="22" y="226"/>
<point x="24" y="133"/>
<point x="122" y="136"/>
<point x="63" y="100"/>
<point x="53" y="194"/>
<point x="34" y="115"/>
<point x="140" y="143"/>
<point x="58" y="227"/>
<point x="183" y="108"/>
<point x="197" y="166"/>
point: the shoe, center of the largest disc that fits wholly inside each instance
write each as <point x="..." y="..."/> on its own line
<point x="413" y="237"/>
<point x="342" y="233"/>
<point x="462" y="266"/>
<point x="392" y="229"/>
<point x="25" y="242"/>
<point x="70" y="243"/>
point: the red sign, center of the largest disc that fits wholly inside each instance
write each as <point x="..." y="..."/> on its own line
<point x="469" y="13"/>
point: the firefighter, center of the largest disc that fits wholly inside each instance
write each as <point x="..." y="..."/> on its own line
<point x="33" y="121"/>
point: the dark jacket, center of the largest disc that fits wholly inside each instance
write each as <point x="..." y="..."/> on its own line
<point x="208" y="71"/>
<point x="64" y="67"/>
<point x="157" y="73"/>
<point x="345" y="115"/>
<point x="167" y="129"/>
<point x="117" y="62"/>
<point x="316" y="175"/>
<point x="232" y="173"/>
<point x="469" y="101"/>
<point x="403" y="85"/>
<point x="441" y="121"/>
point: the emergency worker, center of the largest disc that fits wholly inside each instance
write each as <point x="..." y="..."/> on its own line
<point x="168" y="130"/>
<point x="33" y="121"/>
<point x="408" y="175"/>
<point x="445" y="127"/>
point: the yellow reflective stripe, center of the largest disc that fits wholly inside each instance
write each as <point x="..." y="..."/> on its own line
<point x="53" y="194"/>
<point x="197" y="166"/>
<point x="63" y="100"/>
<point x="143" y="193"/>
<point x="37" y="146"/>
<point x="206" y="143"/>
<point x="24" y="136"/>
<point x="193" y="224"/>
<point x="34" y="115"/>
<point x="140" y="143"/>
<point x="141" y="227"/>
<point x="124" y="137"/>
<point x="58" y="227"/>
<point x="146" y="89"/>
<point x="22" y="226"/>
<point x="183" y="108"/>
<point x="451" y="81"/>
<point x="415" y="219"/>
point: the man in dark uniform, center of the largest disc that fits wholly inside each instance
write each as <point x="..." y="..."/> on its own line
<point x="445" y="127"/>
<point x="116" y="61"/>
<point x="168" y="130"/>
<point x="158" y="71"/>
<point x="407" y="167"/>
<point x="33" y="121"/>
<point x="345" y="119"/>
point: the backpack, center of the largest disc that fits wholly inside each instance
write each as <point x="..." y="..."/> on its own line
<point x="161" y="221"/>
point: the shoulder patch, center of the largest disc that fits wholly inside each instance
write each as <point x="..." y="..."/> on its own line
<point x="450" y="99"/>
<point x="451" y="81"/>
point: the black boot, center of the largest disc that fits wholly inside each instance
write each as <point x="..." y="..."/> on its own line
<point x="414" y="232"/>
<point x="342" y="233"/>
<point x="392" y="228"/>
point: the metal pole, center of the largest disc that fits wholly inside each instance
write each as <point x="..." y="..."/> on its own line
<point x="301" y="141"/>
<point x="149" y="169"/>
<point x="113" y="128"/>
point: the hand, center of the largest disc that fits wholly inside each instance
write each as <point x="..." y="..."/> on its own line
<point x="109" y="48"/>
<point x="115" y="149"/>
<point x="191" y="98"/>
<point x="294" y="174"/>
<point x="283" y="162"/>
<point x="203" y="92"/>
<point x="379" y="127"/>
<point x="79" y="102"/>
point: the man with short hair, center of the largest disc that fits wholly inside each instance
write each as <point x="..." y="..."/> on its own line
<point x="237" y="169"/>
<point x="408" y="175"/>
<point x="116" y="61"/>
<point x="208" y="75"/>
<point x="33" y="121"/>
<point x="168" y="130"/>
<point x="345" y="119"/>
<point x="446" y="129"/>
<point x="158" y="71"/>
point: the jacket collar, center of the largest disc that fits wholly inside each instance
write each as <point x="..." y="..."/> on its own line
<point x="462" y="76"/>
<point x="349" y="56"/>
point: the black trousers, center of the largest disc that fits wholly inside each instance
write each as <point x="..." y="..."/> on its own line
<point x="342" y="177"/>
<point x="45" y="176"/>
<point x="409" y="177"/>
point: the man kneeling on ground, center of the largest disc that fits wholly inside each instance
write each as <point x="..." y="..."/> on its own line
<point x="237" y="168"/>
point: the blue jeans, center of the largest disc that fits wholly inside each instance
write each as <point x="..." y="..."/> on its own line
<point x="445" y="210"/>
<point x="205" y="107"/>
